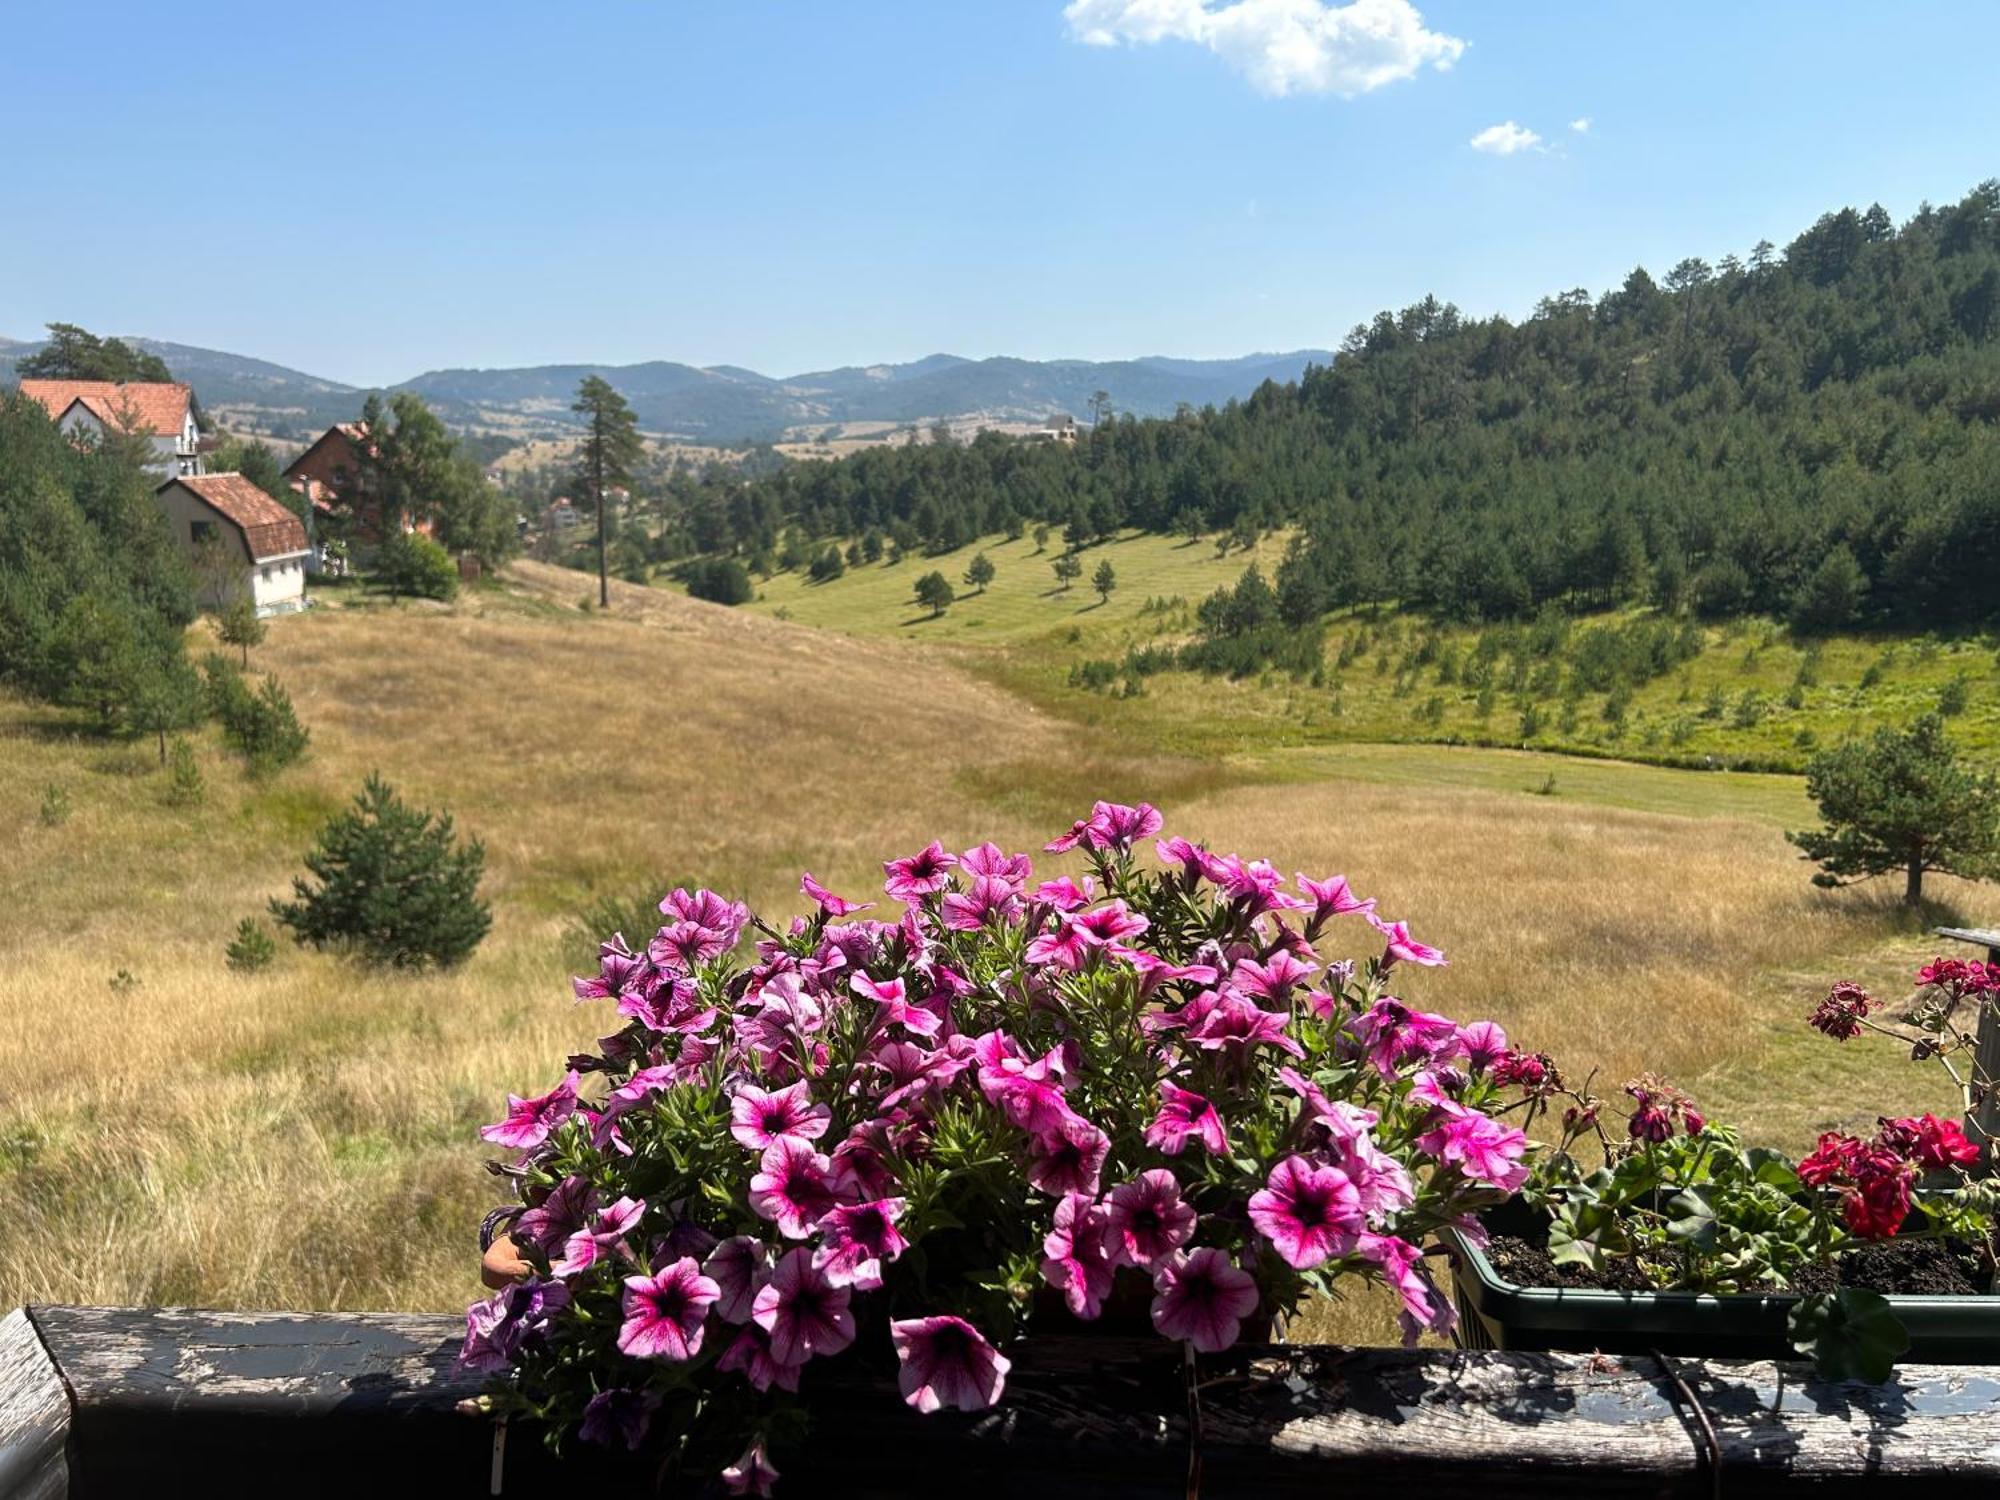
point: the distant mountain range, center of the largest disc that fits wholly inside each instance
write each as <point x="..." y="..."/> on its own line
<point x="724" y="404"/>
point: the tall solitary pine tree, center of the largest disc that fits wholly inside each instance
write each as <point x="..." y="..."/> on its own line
<point x="611" y="449"/>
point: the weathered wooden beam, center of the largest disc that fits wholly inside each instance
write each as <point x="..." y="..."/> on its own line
<point x="34" y="1416"/>
<point x="172" y="1402"/>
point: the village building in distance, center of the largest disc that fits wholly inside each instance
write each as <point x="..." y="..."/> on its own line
<point x="242" y="541"/>
<point x="160" y="410"/>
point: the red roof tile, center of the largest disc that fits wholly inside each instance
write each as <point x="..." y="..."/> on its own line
<point x="159" y="407"/>
<point x="269" y="529"/>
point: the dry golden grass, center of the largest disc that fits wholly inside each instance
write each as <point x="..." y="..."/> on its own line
<point x="305" y="1136"/>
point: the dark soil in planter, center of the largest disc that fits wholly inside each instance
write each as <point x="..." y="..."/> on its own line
<point x="1911" y="1267"/>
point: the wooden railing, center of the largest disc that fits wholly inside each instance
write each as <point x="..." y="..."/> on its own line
<point x="148" y="1402"/>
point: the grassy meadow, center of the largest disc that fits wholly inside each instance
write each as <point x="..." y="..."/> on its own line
<point x="1754" y="695"/>
<point x="174" y="1132"/>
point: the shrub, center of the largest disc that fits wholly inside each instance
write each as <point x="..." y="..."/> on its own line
<point x="411" y="563"/>
<point x="185" y="784"/>
<point x="719" y="580"/>
<point x="1004" y="1111"/>
<point x="263" y="726"/>
<point x="56" y="806"/>
<point x="251" y="949"/>
<point x="394" y="885"/>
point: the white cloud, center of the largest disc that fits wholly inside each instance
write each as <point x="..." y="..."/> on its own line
<point x="1505" y="139"/>
<point x="1581" y="124"/>
<point x="1281" y="46"/>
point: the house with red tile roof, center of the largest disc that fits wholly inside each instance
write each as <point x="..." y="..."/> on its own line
<point x="243" y="543"/>
<point x="326" y="475"/>
<point x="160" y="410"/>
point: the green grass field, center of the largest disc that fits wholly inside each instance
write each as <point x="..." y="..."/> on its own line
<point x="1755" y="696"/>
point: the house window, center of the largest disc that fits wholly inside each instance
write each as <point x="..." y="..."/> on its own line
<point x="201" y="531"/>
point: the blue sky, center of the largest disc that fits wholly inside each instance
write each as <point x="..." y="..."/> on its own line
<point x="368" y="190"/>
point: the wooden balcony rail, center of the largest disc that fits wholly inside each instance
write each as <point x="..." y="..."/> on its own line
<point x="158" y="1402"/>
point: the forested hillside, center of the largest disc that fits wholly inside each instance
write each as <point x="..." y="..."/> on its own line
<point x="1810" y="429"/>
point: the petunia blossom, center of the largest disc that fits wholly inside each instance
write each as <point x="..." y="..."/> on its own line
<point x="758" y="1118"/>
<point x="945" y="1361"/>
<point x="737" y="1266"/>
<point x="618" y="1415"/>
<point x="1080" y="1255"/>
<point x="606" y="1228"/>
<point x="529" y="1122"/>
<point x="792" y="1187"/>
<point x="665" y="1312"/>
<point x="830" y="904"/>
<point x="749" y="1355"/>
<point x="1185" y="1115"/>
<point x="922" y="874"/>
<point x="1331" y="898"/>
<point x="856" y="1238"/>
<point x="1402" y="947"/>
<point x="803" y="1311"/>
<point x="1068" y="1158"/>
<point x="1308" y="1212"/>
<point x="753" y="1473"/>
<point x="1148" y="1219"/>
<point x="1202" y="1298"/>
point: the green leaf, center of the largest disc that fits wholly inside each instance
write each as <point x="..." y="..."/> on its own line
<point x="1773" y="1168"/>
<point x="1583" y="1234"/>
<point x="1693" y="1221"/>
<point x="1851" y="1334"/>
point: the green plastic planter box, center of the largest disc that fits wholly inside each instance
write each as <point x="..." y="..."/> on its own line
<point x="1495" y="1313"/>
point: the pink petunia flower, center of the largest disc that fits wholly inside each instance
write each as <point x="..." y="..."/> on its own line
<point x="1331" y="898"/>
<point x="1068" y="1158"/>
<point x="618" y="1416"/>
<point x="1479" y="1145"/>
<point x="530" y="1121"/>
<point x="1402" y="947"/>
<point x="749" y="1355"/>
<point x="1308" y="1212"/>
<point x="922" y="874"/>
<point x="1028" y="1093"/>
<point x="856" y="1238"/>
<point x="1186" y="1115"/>
<point x="738" y="1267"/>
<point x="558" y="1216"/>
<point x="1402" y="1268"/>
<point x="1202" y="1298"/>
<point x="1064" y="894"/>
<point x="970" y="910"/>
<point x="609" y="1225"/>
<point x="832" y="905"/>
<point x="758" y="1118"/>
<point x="664" y="1313"/>
<point x="1081" y="1255"/>
<point x="1233" y="1020"/>
<point x="1192" y="858"/>
<point x="1113" y="825"/>
<point x="989" y="862"/>
<point x="792" y="1187"/>
<point x="1148" y="1220"/>
<point x="802" y="1310"/>
<point x="1272" y="980"/>
<point x="945" y="1361"/>
<point x="892" y="996"/>
<point x="1484" y="1043"/>
<point x="753" y="1473"/>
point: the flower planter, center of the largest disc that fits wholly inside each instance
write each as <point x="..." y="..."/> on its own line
<point x="1495" y="1313"/>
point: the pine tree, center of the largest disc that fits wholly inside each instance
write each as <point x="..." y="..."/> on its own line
<point x="611" y="449"/>
<point x="1901" y="801"/>
<point x="934" y="592"/>
<point x="1104" y="580"/>
<point x="980" y="571"/>
<point x="238" y="625"/>
<point x="1068" y="568"/>
<point x="394" y="886"/>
